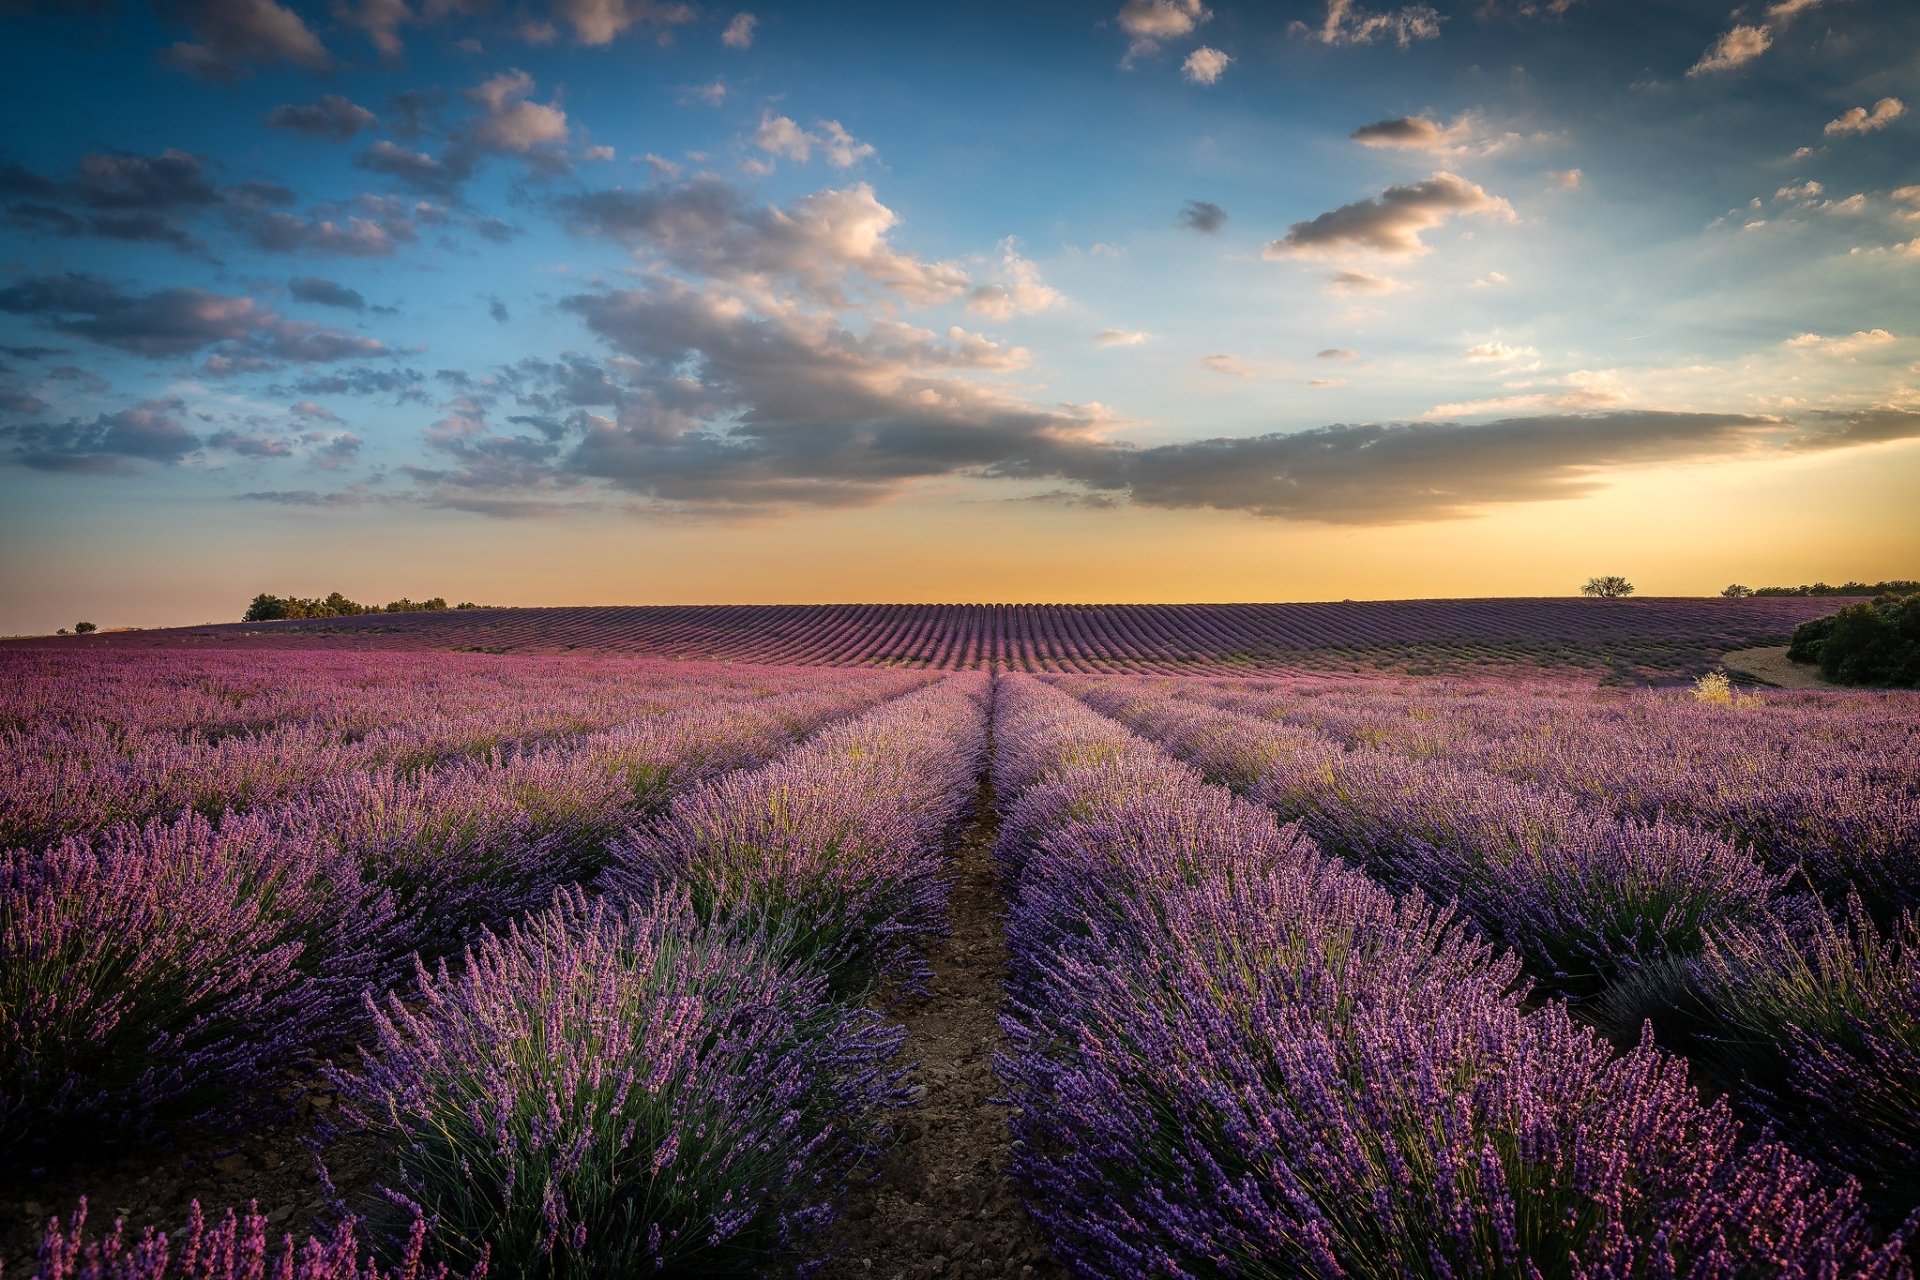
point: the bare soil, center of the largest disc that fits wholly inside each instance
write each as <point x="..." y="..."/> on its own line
<point x="1770" y="666"/>
<point x="944" y="1205"/>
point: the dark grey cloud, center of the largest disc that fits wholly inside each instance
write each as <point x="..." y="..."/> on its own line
<point x="1397" y="473"/>
<point x="1413" y="133"/>
<point x="232" y="35"/>
<point x="332" y="116"/>
<point x="1390" y="224"/>
<point x="371" y="227"/>
<point x="1844" y="429"/>
<point x="303" y="498"/>
<point x="816" y="415"/>
<point x="404" y="385"/>
<point x="114" y="195"/>
<point x="440" y="175"/>
<point x="177" y="322"/>
<point x="1202" y="215"/>
<point x="111" y="443"/>
<point x="249" y="446"/>
<point x="326" y="293"/>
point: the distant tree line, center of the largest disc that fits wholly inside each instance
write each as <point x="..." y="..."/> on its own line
<point x="1825" y="589"/>
<point x="267" y="608"/>
<point x="1872" y="642"/>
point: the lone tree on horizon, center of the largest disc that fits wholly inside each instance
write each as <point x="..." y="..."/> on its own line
<point x="1611" y="587"/>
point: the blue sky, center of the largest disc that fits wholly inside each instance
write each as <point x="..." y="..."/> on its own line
<point x="619" y="300"/>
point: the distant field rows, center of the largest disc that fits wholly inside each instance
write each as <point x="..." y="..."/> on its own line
<point x="1654" y="635"/>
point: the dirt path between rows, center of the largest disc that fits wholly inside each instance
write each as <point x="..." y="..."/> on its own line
<point x="944" y="1204"/>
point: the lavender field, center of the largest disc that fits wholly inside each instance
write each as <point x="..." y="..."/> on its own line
<point x="324" y="960"/>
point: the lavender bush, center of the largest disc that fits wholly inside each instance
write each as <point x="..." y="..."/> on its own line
<point x="839" y="841"/>
<point x="173" y="969"/>
<point x="610" y="1089"/>
<point x="237" y="1247"/>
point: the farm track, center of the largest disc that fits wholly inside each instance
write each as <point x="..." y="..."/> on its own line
<point x="943" y="1204"/>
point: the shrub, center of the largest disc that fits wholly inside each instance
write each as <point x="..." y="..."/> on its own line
<point x="174" y="969"/>
<point x="1822" y="1024"/>
<point x="1874" y="643"/>
<point x="611" y="1088"/>
<point x="84" y="628"/>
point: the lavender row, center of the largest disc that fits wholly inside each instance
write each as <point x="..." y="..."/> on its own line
<point x="1822" y="785"/>
<point x="1587" y="899"/>
<point x="673" y="1076"/>
<point x="160" y="972"/>
<point x="79" y="781"/>
<point x="1234" y="1057"/>
<point x="1815" y="1024"/>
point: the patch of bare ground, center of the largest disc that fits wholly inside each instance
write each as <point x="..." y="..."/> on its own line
<point x="944" y="1204"/>
<point x="1770" y="666"/>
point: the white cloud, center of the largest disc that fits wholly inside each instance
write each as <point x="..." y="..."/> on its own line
<point x="1569" y="179"/>
<point x="1848" y="347"/>
<point x="1231" y="365"/>
<point x="1347" y="23"/>
<point x="1736" y="48"/>
<point x="1497" y="352"/>
<point x="1326" y="382"/>
<point x="1581" y="391"/>
<point x="1798" y="191"/>
<point x="512" y="123"/>
<point x="1149" y="23"/>
<point x="1019" y="292"/>
<point x="1861" y="120"/>
<point x="1205" y="65"/>
<point x="780" y="136"/>
<point x="739" y="32"/>
<point x="1118" y="338"/>
<point x="600" y="21"/>
<point x="1489" y="280"/>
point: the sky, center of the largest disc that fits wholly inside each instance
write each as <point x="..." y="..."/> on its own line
<point x="640" y="301"/>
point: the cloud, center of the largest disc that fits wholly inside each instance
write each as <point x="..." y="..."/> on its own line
<point x="602" y="21"/>
<point x="780" y="136"/>
<point x="375" y="232"/>
<point x="233" y="34"/>
<point x="1846" y="429"/>
<point x="302" y="498"/>
<point x="436" y="175"/>
<point x="1202" y="215"/>
<point x="1497" y="352"/>
<point x="731" y="407"/>
<point x="332" y="117"/>
<point x="1205" y="65"/>
<point x="1848" y="347"/>
<point x="1231" y="365"/>
<point x="380" y="20"/>
<point x="149" y="432"/>
<point x="498" y="310"/>
<point x="176" y="322"/>
<point x="1799" y="191"/>
<point x="404" y="385"/>
<point x="1568" y="179"/>
<point x="821" y="247"/>
<point x="739" y="32"/>
<point x="1390" y="225"/>
<point x="1349" y="283"/>
<point x="1118" y="338"/>
<point x="313" y="411"/>
<point x="117" y="195"/>
<point x="1413" y="133"/>
<point x="1336" y="353"/>
<point x="1734" y="49"/>
<point x="1326" y="382"/>
<point x="510" y="123"/>
<point x="1019" y="292"/>
<point x="1346" y="23"/>
<point x="1399" y="473"/>
<point x="326" y="293"/>
<point x="249" y="446"/>
<point x="1149" y="23"/>
<point x="1860" y="120"/>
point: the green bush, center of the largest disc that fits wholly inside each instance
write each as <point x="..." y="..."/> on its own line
<point x="1875" y="642"/>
